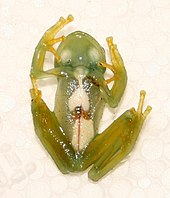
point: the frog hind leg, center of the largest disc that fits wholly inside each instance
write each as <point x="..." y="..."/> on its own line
<point x="116" y="142"/>
<point x="46" y="44"/>
<point x="120" y="76"/>
<point x="50" y="134"/>
<point x="46" y="124"/>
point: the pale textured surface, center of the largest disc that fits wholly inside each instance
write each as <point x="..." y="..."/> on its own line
<point x="141" y="28"/>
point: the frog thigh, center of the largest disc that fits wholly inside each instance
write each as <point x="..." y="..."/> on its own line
<point x="49" y="132"/>
<point x="116" y="142"/>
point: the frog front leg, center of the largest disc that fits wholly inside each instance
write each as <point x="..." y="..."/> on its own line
<point x="114" y="95"/>
<point x="116" y="142"/>
<point x="50" y="133"/>
<point x="46" y="44"/>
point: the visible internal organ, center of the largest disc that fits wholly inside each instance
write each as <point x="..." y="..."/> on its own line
<point x="83" y="130"/>
<point x="79" y="98"/>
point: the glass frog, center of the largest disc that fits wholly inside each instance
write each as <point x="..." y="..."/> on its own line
<point x="70" y="132"/>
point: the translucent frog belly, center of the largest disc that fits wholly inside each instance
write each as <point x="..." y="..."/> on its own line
<point x="78" y="111"/>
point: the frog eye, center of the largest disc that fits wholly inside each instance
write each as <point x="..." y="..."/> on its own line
<point x="66" y="56"/>
<point x="94" y="54"/>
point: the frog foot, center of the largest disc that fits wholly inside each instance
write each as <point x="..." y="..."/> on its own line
<point x="117" y="63"/>
<point x="139" y="113"/>
<point x="48" y="39"/>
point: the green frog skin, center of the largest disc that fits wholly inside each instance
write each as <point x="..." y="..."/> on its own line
<point x="70" y="131"/>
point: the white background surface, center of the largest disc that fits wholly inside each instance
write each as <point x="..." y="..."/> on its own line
<point x="141" y="29"/>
